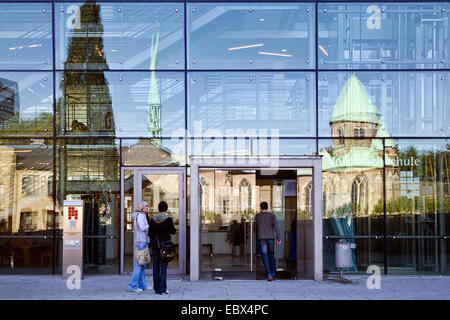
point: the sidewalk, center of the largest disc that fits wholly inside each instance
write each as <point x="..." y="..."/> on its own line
<point x="113" y="287"/>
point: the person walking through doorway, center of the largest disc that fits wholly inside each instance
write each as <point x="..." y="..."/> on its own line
<point x="266" y="226"/>
<point x="161" y="227"/>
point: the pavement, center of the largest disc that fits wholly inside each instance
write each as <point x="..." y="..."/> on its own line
<point x="113" y="287"/>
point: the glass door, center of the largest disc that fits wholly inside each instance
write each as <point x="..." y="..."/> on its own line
<point x="154" y="185"/>
<point x="229" y="202"/>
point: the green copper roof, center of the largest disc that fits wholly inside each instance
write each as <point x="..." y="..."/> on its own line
<point x="383" y="133"/>
<point x="377" y="144"/>
<point x="354" y="104"/>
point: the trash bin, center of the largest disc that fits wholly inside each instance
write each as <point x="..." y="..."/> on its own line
<point x="343" y="254"/>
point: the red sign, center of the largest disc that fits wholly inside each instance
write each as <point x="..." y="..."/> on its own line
<point x="73" y="213"/>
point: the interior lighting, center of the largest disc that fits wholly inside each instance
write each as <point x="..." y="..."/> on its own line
<point x="245" y="47"/>
<point x="275" y="54"/>
<point x="323" y="50"/>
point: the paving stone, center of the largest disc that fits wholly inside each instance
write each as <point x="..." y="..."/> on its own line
<point x="114" y="287"/>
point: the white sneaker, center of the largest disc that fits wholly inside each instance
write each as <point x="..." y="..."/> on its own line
<point x="167" y="292"/>
<point x="148" y="288"/>
<point x="136" y="290"/>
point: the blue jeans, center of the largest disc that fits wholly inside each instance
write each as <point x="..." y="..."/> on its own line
<point x="138" y="276"/>
<point x="159" y="273"/>
<point x="268" y="255"/>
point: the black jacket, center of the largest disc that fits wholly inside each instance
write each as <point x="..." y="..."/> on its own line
<point x="161" y="226"/>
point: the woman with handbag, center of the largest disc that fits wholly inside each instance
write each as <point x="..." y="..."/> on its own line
<point x="161" y="227"/>
<point x="141" y="251"/>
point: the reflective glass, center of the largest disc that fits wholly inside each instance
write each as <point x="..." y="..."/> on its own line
<point x="155" y="188"/>
<point x="129" y="104"/>
<point x="384" y="104"/>
<point x="352" y="186"/>
<point x="119" y="36"/>
<point x="368" y="252"/>
<point x="418" y="187"/>
<point x="25" y="36"/>
<point x="128" y="224"/>
<point x="251" y="147"/>
<point x="153" y="152"/>
<point x="26" y="180"/>
<point x="26" y="256"/>
<point x="383" y="35"/>
<point x="250" y="36"/>
<point x="26" y="104"/>
<point x="229" y="201"/>
<point x="88" y="170"/>
<point x="26" y="206"/>
<point x="418" y="256"/>
<point x="236" y="104"/>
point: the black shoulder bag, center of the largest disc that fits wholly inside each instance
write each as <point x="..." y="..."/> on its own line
<point x="166" y="250"/>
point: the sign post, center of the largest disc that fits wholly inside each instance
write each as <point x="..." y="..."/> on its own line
<point x="73" y="239"/>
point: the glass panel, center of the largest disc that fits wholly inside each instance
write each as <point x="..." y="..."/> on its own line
<point x="301" y="233"/>
<point x="26" y="201"/>
<point x="26" y="206"/>
<point x="352" y="190"/>
<point x="26" y="104"/>
<point x="119" y="36"/>
<point x="89" y="170"/>
<point x="418" y="256"/>
<point x="251" y="147"/>
<point x="380" y="35"/>
<point x="418" y="204"/>
<point x="368" y="252"/>
<point x="164" y="187"/>
<point x="352" y="186"/>
<point x="377" y="104"/>
<point x="236" y="104"/>
<point x="101" y="255"/>
<point x="250" y="36"/>
<point x="25" y="36"/>
<point x="26" y="256"/>
<point x="128" y="207"/>
<point x="153" y="152"/>
<point x="132" y="104"/>
<point x="229" y="201"/>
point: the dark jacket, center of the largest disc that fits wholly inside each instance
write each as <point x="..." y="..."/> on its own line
<point x="161" y="226"/>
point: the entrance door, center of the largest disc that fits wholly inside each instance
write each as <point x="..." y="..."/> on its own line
<point x="154" y="185"/>
<point x="229" y="200"/>
<point x="225" y="197"/>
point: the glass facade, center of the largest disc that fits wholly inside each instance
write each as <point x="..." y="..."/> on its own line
<point x="90" y="88"/>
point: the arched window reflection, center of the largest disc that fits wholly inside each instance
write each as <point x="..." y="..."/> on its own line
<point x="245" y="195"/>
<point x="360" y="194"/>
<point x="203" y="195"/>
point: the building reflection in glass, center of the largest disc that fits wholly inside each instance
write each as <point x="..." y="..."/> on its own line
<point x="88" y="168"/>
